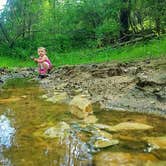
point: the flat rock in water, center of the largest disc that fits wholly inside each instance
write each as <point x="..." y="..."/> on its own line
<point x="157" y="142"/>
<point x="60" y="130"/>
<point x="9" y="100"/>
<point x="104" y="127"/>
<point x="131" y="126"/>
<point x="104" y="139"/>
<point x="90" y="119"/>
<point x="105" y="142"/>
<point x="124" y="126"/>
<point x="104" y="134"/>
<point x="59" y="97"/>
<point x="123" y="159"/>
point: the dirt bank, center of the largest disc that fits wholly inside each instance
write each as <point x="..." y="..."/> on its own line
<point x="137" y="86"/>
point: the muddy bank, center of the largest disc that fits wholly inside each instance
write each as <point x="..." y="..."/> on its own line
<point x="137" y="86"/>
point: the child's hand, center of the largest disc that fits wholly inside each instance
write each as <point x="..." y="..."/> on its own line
<point x="35" y="59"/>
<point x="32" y="57"/>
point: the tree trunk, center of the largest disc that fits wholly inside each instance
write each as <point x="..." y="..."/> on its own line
<point x="5" y="33"/>
<point x="124" y="20"/>
<point x="158" y="28"/>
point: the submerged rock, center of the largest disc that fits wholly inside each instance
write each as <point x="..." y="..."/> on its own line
<point x="156" y="142"/>
<point x="131" y="126"/>
<point x="105" y="142"/>
<point x="60" y="130"/>
<point x="58" y="97"/>
<point x="90" y="119"/>
<point x="124" y="126"/>
<point x="122" y="159"/>
<point x="103" y="139"/>
<point x="104" y="127"/>
<point x="9" y="100"/>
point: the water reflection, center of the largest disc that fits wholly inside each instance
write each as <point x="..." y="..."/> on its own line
<point x="5" y="161"/>
<point x="6" y="132"/>
<point x="76" y="153"/>
<point x="6" y="136"/>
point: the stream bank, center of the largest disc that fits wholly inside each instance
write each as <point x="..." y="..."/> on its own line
<point x="136" y="86"/>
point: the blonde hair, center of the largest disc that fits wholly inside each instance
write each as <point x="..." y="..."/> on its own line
<point x="42" y="48"/>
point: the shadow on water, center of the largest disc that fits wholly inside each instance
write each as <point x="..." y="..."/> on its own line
<point x="34" y="132"/>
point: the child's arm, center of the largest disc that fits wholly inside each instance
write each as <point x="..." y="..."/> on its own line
<point x="40" y="60"/>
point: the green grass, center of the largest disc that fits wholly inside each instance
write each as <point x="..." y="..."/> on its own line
<point x="10" y="62"/>
<point x="152" y="49"/>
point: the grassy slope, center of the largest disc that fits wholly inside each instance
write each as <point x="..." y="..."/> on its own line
<point x="152" y="49"/>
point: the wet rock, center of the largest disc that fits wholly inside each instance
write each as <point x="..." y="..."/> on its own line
<point x="105" y="127"/>
<point x="156" y="142"/>
<point x="121" y="159"/>
<point x="81" y="106"/>
<point x="58" y="97"/>
<point x="60" y="130"/>
<point x="90" y="119"/>
<point x="10" y="100"/>
<point x="44" y="96"/>
<point x="159" y="163"/>
<point x="105" y="142"/>
<point x="103" y="139"/>
<point x="131" y="126"/>
<point x="124" y="126"/>
<point x="104" y="134"/>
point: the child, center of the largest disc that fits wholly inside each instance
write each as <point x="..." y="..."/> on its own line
<point x="43" y="61"/>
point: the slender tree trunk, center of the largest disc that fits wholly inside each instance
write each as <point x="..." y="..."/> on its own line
<point x="157" y="22"/>
<point x="124" y="20"/>
<point x="4" y="32"/>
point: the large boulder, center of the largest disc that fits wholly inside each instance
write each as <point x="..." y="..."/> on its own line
<point x="81" y="107"/>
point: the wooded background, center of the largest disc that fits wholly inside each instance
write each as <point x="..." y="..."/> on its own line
<point x="64" y="25"/>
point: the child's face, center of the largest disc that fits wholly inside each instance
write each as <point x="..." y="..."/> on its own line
<point x="41" y="52"/>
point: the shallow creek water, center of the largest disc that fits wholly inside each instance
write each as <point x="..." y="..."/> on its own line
<point x="29" y="116"/>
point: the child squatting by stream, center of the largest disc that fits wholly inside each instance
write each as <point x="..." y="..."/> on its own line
<point x="44" y="64"/>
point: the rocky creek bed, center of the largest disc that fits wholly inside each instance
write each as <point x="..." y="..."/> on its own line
<point x="137" y="86"/>
<point x="69" y="115"/>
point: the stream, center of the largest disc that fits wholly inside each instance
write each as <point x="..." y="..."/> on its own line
<point x="34" y="132"/>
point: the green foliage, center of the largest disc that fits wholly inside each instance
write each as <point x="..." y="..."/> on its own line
<point x="154" y="49"/>
<point x="66" y="25"/>
<point x="108" y="32"/>
<point x="62" y="43"/>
